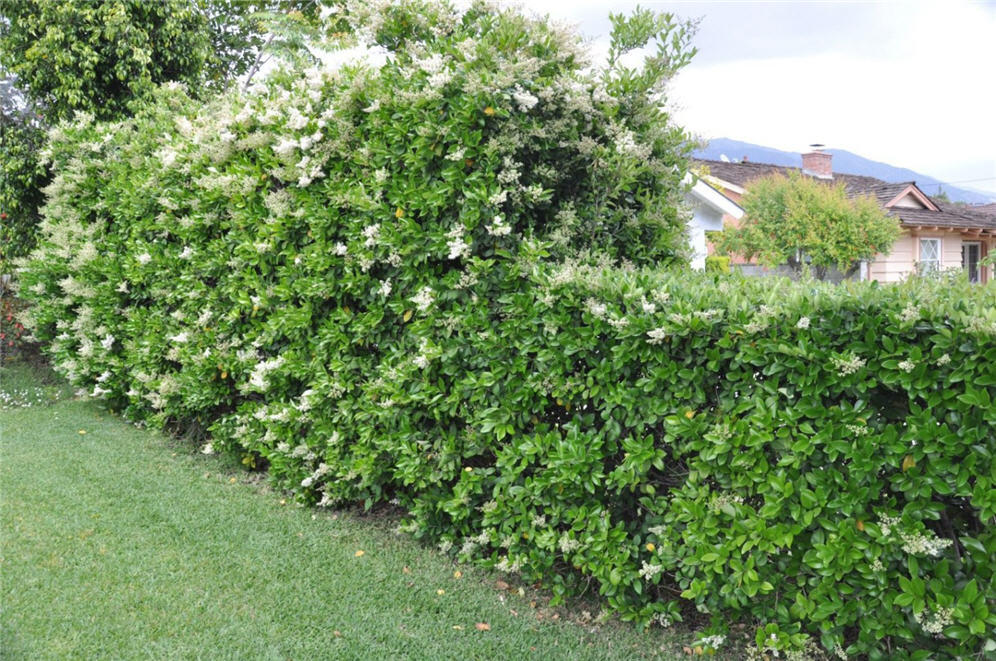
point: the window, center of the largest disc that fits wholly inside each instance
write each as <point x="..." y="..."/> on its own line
<point x="930" y="256"/>
<point x="971" y="253"/>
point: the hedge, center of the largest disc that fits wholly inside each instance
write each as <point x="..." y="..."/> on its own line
<point x="309" y="276"/>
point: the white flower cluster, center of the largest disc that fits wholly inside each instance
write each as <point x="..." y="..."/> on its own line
<point x="523" y="99"/>
<point x="657" y="335"/>
<point x="909" y="313"/>
<point x="919" y="544"/>
<point x="498" y="227"/>
<point x="649" y="571"/>
<point x="943" y="360"/>
<point x="848" y="365"/>
<point x="598" y="310"/>
<point x="938" y="620"/>
<point x="322" y="469"/>
<point x="459" y="248"/>
<point x="906" y="366"/>
<point x="803" y="323"/>
<point x="568" y="544"/>
<point x="508" y="567"/>
<point x="715" y="642"/>
<point x="424" y="299"/>
<point x="258" y="378"/>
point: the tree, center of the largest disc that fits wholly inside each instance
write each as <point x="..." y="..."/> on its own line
<point x="104" y="57"/>
<point x="800" y="221"/>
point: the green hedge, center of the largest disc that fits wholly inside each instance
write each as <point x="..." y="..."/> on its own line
<point x="717" y="264"/>
<point x="388" y="321"/>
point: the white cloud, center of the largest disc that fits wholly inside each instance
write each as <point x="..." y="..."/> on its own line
<point x="906" y="83"/>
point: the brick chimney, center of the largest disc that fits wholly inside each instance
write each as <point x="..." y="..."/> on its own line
<point x="816" y="163"/>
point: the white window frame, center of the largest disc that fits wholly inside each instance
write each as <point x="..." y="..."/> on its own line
<point x="924" y="266"/>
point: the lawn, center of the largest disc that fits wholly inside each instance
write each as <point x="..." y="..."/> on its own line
<point x="121" y="543"/>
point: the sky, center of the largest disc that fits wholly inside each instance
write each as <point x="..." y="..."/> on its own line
<point x="911" y="84"/>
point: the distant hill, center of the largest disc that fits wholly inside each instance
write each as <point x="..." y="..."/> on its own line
<point x="844" y="162"/>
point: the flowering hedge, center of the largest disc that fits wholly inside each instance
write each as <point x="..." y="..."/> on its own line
<point x="378" y="283"/>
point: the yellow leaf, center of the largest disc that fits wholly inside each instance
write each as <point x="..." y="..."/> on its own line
<point x="82" y="432"/>
<point x="399" y="212"/>
<point x="689" y="414"/>
<point x="224" y="375"/>
<point x="440" y="592"/>
<point x="482" y="626"/>
<point x="908" y="462"/>
<point x="407" y="315"/>
<point x="457" y="574"/>
<point x="231" y="480"/>
<point x="489" y="111"/>
<point x="458" y="627"/>
<point x="861" y="525"/>
<point x="651" y="547"/>
<point x="359" y="554"/>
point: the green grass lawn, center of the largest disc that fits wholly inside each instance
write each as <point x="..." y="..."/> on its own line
<point x="120" y="543"/>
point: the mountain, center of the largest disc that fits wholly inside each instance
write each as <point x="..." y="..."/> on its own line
<point x="844" y="162"/>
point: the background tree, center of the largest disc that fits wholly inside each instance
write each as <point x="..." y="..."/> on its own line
<point x="799" y="221"/>
<point x="104" y="57"/>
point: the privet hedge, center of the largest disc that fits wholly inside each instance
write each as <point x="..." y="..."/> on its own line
<point x="385" y="284"/>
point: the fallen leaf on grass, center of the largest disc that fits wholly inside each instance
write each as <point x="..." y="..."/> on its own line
<point x="82" y="432"/>
<point x="337" y="633"/>
<point x="406" y="570"/>
<point x="502" y="585"/>
<point x="458" y="627"/>
<point x="457" y="574"/>
<point x="359" y="554"/>
<point x="440" y="592"/>
<point x="482" y="626"/>
<point x="231" y="480"/>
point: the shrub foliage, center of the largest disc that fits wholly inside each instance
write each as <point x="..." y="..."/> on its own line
<point x="390" y="283"/>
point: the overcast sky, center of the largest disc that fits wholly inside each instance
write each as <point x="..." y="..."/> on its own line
<point x="912" y="84"/>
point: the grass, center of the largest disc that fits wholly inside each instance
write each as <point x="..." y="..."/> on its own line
<point x="120" y="543"/>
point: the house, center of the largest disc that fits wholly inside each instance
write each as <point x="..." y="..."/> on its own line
<point x="936" y="235"/>
<point x="709" y="207"/>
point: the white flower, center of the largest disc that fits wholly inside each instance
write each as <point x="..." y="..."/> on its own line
<point x="649" y="571"/>
<point x="656" y="335"/>
<point x="371" y="232"/>
<point x="498" y="227"/>
<point x="906" y="365"/>
<point x="524" y="99"/>
<point x="385" y="288"/>
<point x="373" y="107"/>
<point x="803" y="323"/>
<point x="421" y="361"/>
<point x="456" y="155"/>
<point x="595" y="308"/>
<point x="423" y="299"/>
<point x="207" y="448"/>
<point x="296" y="120"/>
<point x="107" y="342"/>
<point x="285" y="147"/>
<point x="458" y="248"/>
<point x="180" y="338"/>
<point x="943" y="360"/>
<point x="909" y="313"/>
<point x="144" y="258"/>
<point x="847" y="365"/>
<point x="187" y="253"/>
<point x="340" y="249"/>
